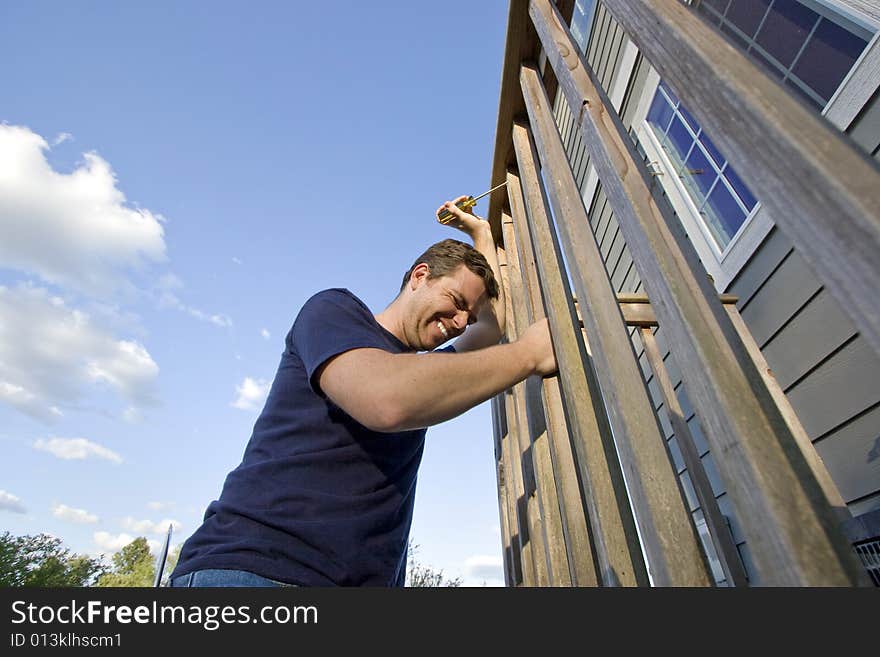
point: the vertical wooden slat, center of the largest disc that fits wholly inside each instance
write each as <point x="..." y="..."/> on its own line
<point x="822" y="192"/>
<point x="793" y="534"/>
<point x="506" y="502"/>
<point x="718" y="529"/>
<point x="615" y="538"/>
<point x="537" y="537"/>
<point x="668" y="534"/>
<point x="575" y="539"/>
<point x="531" y="551"/>
<point x="539" y="449"/>
<point x="511" y="576"/>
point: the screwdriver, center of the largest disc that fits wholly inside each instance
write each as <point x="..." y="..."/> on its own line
<point x="446" y="216"/>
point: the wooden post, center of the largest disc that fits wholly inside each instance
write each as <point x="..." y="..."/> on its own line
<point x="575" y="540"/>
<point x="793" y="534"/>
<point x="615" y="538"/>
<point x="668" y="534"/>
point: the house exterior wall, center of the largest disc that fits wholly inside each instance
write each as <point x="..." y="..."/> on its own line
<point x="828" y="372"/>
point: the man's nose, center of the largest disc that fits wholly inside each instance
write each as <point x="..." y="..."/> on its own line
<point x="460" y="320"/>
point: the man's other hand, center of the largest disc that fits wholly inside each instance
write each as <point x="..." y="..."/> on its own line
<point x="537" y="339"/>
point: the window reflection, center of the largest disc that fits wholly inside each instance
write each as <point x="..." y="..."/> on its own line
<point x="807" y="51"/>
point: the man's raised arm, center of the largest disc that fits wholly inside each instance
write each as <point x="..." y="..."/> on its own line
<point x="490" y="325"/>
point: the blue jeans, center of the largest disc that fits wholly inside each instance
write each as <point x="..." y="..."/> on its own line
<point x="225" y="578"/>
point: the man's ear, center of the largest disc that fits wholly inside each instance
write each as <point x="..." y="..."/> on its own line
<point x="419" y="275"/>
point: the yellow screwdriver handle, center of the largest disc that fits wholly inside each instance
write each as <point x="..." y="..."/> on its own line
<point x="446" y="216"/>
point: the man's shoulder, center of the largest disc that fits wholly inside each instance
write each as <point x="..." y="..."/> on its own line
<point x="335" y="307"/>
<point x="336" y="297"/>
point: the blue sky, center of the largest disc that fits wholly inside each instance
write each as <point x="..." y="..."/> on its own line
<point x="176" y="179"/>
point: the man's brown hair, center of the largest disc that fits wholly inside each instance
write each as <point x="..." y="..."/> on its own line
<point x="445" y="257"/>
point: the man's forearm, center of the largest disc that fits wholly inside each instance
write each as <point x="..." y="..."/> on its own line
<point x="409" y="391"/>
<point x="430" y="388"/>
<point x="485" y="244"/>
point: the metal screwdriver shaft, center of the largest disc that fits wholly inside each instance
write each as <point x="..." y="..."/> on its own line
<point x="446" y="216"/>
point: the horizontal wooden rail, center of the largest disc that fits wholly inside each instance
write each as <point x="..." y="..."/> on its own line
<point x="793" y="534"/>
<point x="637" y="311"/>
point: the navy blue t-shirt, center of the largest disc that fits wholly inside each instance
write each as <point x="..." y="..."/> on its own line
<point x="318" y="499"/>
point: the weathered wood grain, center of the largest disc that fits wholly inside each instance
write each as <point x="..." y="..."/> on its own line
<point x="667" y="533"/>
<point x="540" y="468"/>
<point x="614" y="533"/>
<point x="571" y="500"/>
<point x="721" y="536"/>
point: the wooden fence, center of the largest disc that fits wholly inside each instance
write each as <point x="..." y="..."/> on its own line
<point x="588" y="494"/>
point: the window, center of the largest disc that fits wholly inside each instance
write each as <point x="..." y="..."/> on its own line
<point x="804" y="44"/>
<point x="582" y="22"/>
<point x="721" y="198"/>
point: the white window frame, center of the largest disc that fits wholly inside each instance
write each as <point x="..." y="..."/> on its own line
<point x="853" y="93"/>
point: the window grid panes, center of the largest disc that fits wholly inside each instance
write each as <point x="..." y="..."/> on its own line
<point x="807" y="52"/>
<point x="722" y="199"/>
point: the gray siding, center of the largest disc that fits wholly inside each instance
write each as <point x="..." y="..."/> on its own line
<point x="865" y="130"/>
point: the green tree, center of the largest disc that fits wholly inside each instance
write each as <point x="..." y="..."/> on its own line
<point x="418" y="575"/>
<point x="42" y="560"/>
<point x="133" y="565"/>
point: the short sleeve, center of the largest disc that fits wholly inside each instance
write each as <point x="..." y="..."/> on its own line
<point x="330" y="323"/>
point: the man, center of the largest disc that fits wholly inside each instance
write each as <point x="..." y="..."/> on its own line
<point x="324" y="493"/>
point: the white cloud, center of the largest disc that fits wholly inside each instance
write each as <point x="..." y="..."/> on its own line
<point x="80" y="516"/>
<point x="266" y="335"/>
<point x="251" y="394"/>
<point x="28" y="402"/>
<point x="170" y="300"/>
<point x="237" y="260"/>
<point x="161" y="506"/>
<point x="76" y="449"/>
<point x="110" y="543"/>
<point x="484" y="567"/>
<point x="167" y="298"/>
<point x="72" y="229"/>
<point x="10" y="502"/>
<point x="61" y="137"/>
<point x="52" y="354"/>
<point x="148" y="526"/>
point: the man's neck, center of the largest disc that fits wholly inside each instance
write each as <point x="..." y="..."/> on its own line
<point x="391" y="319"/>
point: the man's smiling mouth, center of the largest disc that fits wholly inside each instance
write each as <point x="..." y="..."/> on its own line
<point x="443" y="330"/>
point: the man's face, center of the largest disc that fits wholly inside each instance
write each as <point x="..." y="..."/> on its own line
<point x="442" y="308"/>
